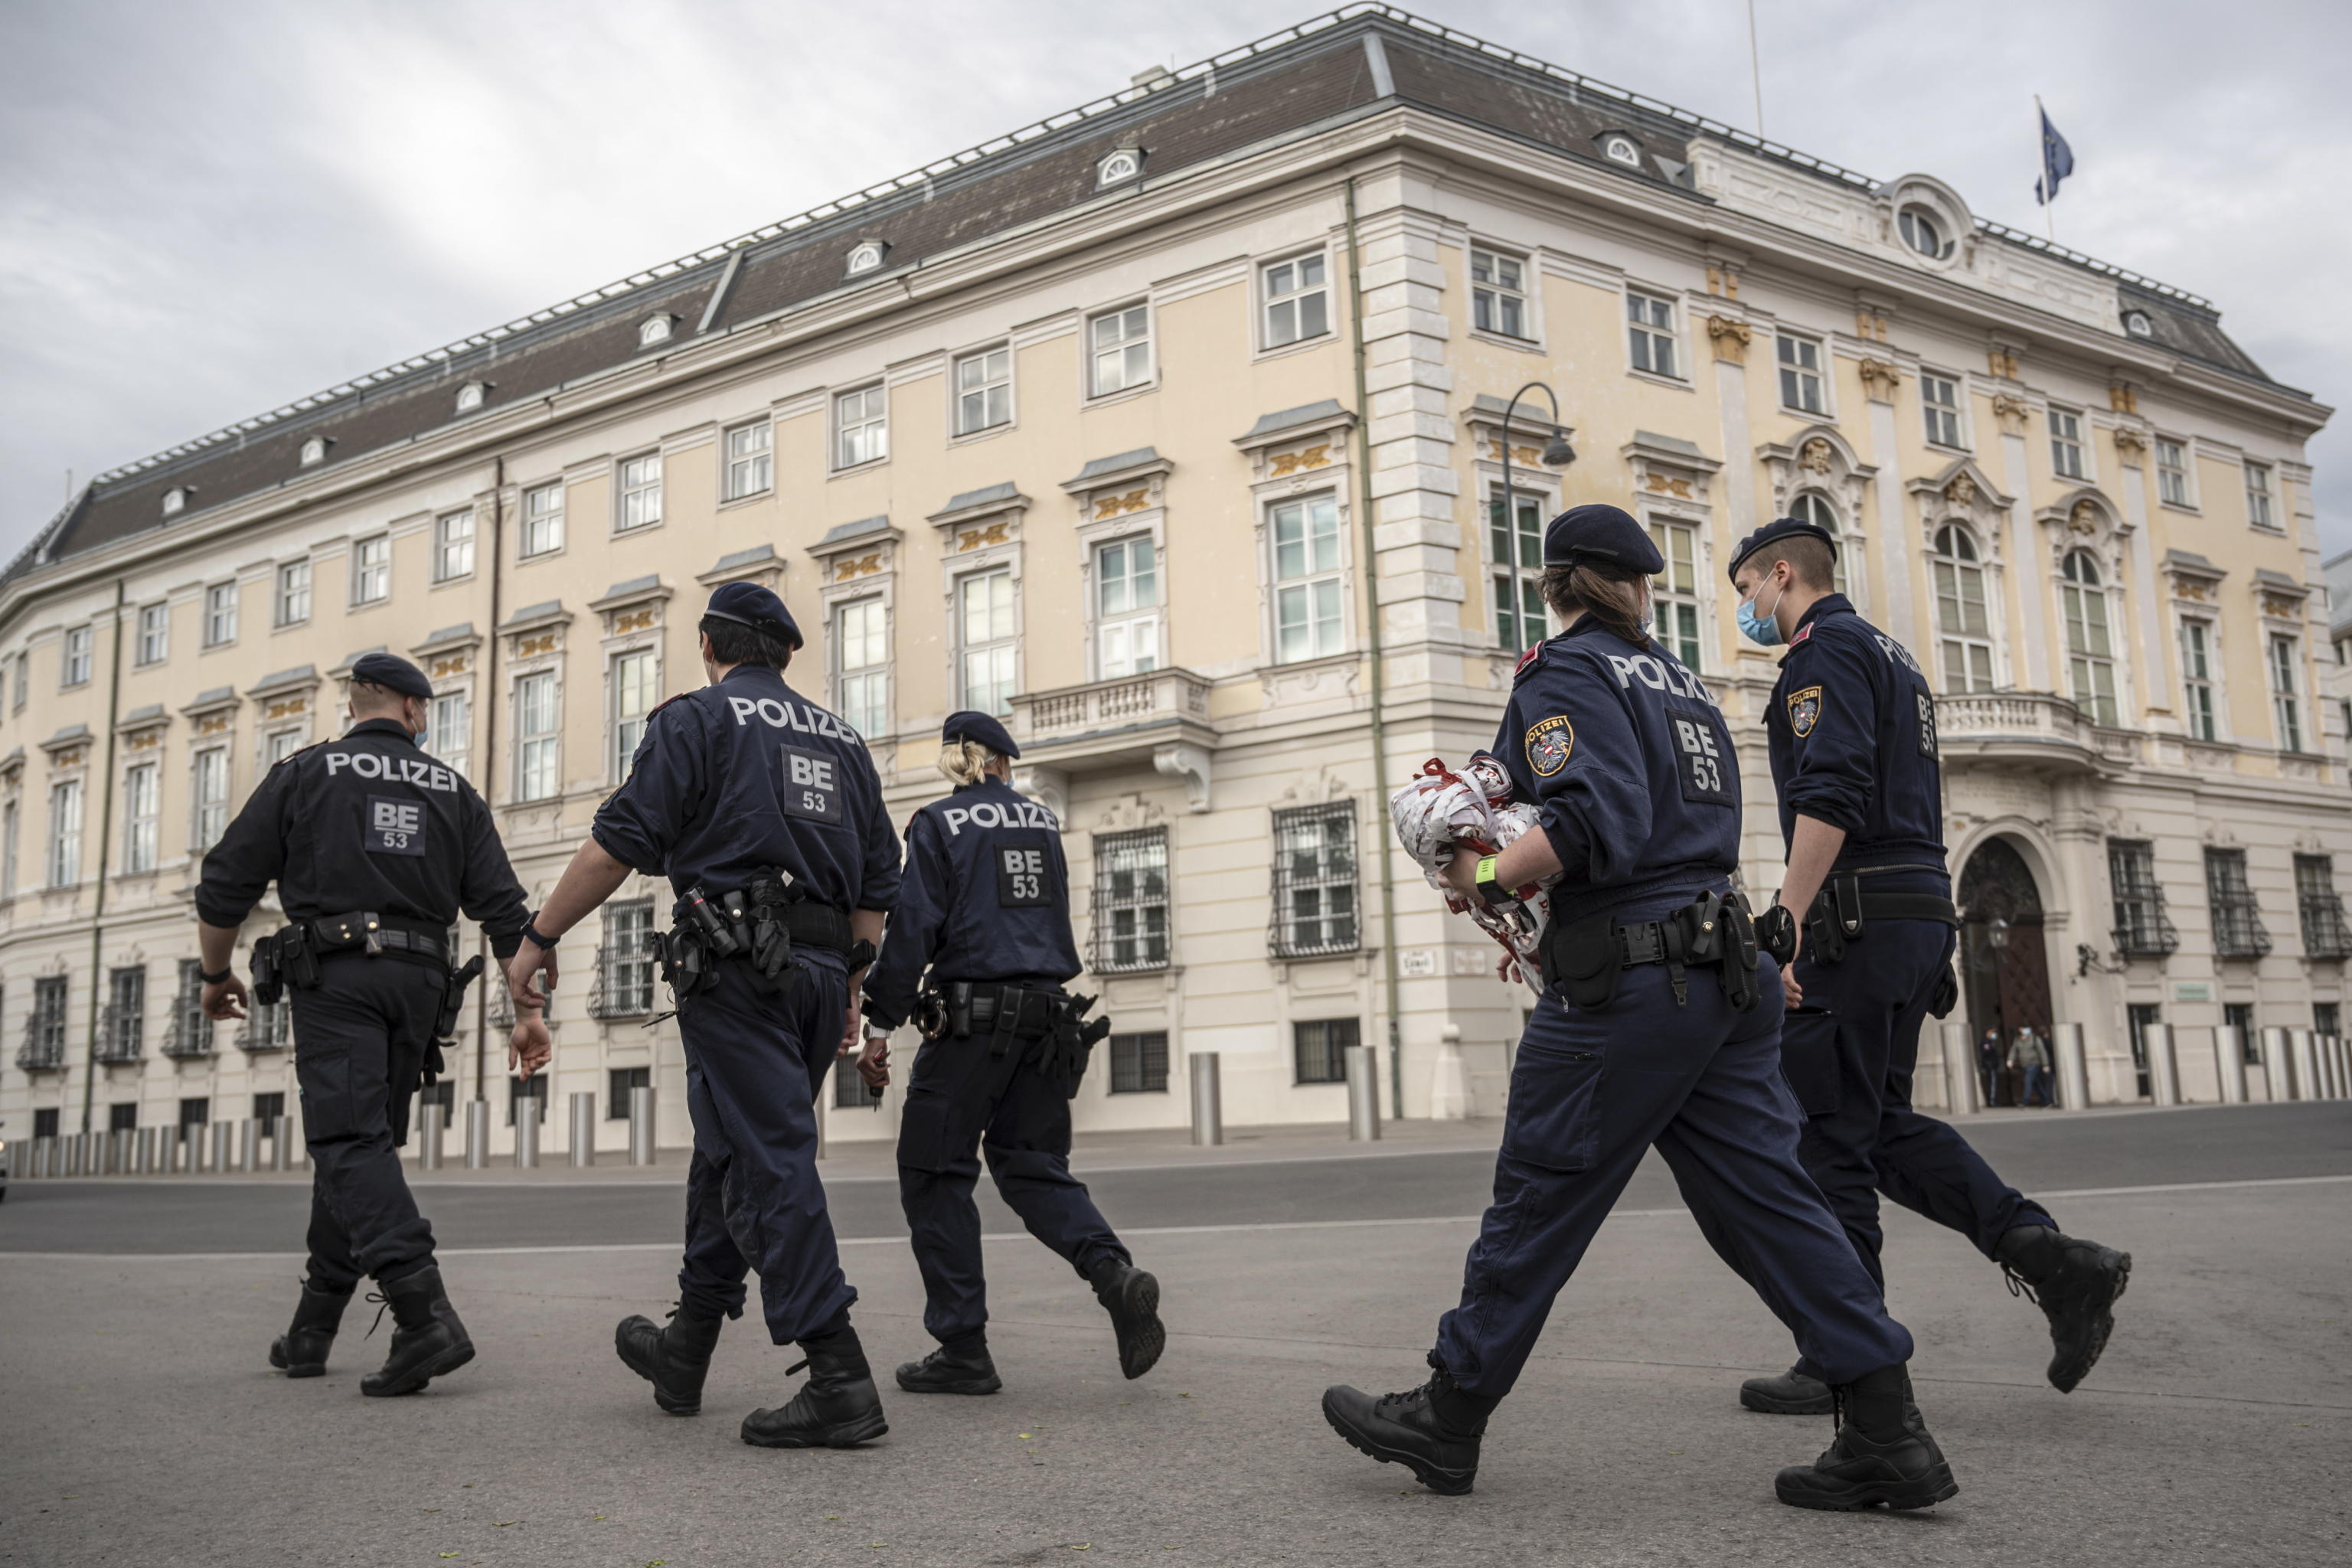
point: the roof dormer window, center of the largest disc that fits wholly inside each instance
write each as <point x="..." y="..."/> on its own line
<point x="866" y="255"/>
<point x="314" y="451"/>
<point x="175" y="501"/>
<point x="1619" y="148"/>
<point x="656" y="329"/>
<point x="1119" y="167"/>
<point x="2137" y="323"/>
<point x="472" y="395"/>
<point x="1924" y="233"/>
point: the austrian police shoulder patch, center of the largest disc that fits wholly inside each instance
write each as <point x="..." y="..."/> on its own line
<point x="1805" y="711"/>
<point x="1548" y="743"/>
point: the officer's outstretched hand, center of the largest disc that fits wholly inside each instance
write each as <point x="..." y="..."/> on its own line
<point x="530" y="1045"/>
<point x="873" y="1062"/>
<point x="226" y="1000"/>
<point x="529" y="959"/>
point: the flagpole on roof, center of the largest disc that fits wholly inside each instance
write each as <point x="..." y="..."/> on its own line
<point x="2041" y="154"/>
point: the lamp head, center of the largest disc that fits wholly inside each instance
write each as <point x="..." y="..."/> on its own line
<point x="1557" y="453"/>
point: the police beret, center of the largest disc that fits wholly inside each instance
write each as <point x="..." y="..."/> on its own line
<point x="749" y="604"/>
<point x="1774" y="531"/>
<point x="1598" y="534"/>
<point x="392" y="673"/>
<point x="979" y="727"/>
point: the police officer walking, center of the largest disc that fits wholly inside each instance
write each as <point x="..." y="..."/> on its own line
<point x="375" y="847"/>
<point x="765" y="813"/>
<point x="1658" y="1025"/>
<point x="985" y="909"/>
<point x="1851" y="728"/>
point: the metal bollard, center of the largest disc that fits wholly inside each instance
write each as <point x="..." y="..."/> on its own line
<point x="53" y="1159"/>
<point x="526" y="1155"/>
<point x="224" y="1147"/>
<point x="281" y="1139"/>
<point x="1959" y="1069"/>
<point x="125" y="1144"/>
<point x="1208" y="1101"/>
<point x="2330" y="1051"/>
<point x="477" y="1134"/>
<point x="2163" y="1067"/>
<point x="77" y="1153"/>
<point x="428" y="1136"/>
<point x="2276" y="1084"/>
<point x="110" y="1153"/>
<point x="1364" y="1094"/>
<point x="2073" y="1066"/>
<point x="2306" y="1065"/>
<point x="641" y="1125"/>
<point x="584" y="1129"/>
<point x="2229" y="1062"/>
<point x="249" y="1146"/>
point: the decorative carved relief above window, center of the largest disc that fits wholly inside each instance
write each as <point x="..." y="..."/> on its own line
<point x="1818" y="460"/>
<point x="1879" y="379"/>
<point x="1730" y="338"/>
<point x="1962" y="493"/>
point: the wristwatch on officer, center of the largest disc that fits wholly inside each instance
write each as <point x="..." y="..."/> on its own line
<point x="222" y="978"/>
<point x="531" y="933"/>
<point x="1491" y="891"/>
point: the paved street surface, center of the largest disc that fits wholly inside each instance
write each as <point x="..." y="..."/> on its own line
<point x="143" y="1425"/>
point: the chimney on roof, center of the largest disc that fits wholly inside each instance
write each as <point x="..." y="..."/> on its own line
<point x="1150" y="77"/>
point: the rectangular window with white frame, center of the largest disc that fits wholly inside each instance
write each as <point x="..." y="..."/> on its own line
<point x="1674" y="592"/>
<point x="1963" y="621"/>
<point x="2198" y="664"/>
<point x="2172" y="473"/>
<point x="1801" y="387"/>
<point x="450" y="733"/>
<point x="641" y="491"/>
<point x="1498" y="294"/>
<point x="861" y="426"/>
<point x="542" y="518"/>
<point x="861" y="674"/>
<point x="209" y="797"/>
<point x="453" y="546"/>
<point x="983" y="390"/>
<point x="1520" y="621"/>
<point x="624" y="962"/>
<point x="1130" y="902"/>
<point x="73" y="664"/>
<point x="372" y="570"/>
<point x="1651" y="337"/>
<point x="2260" y="512"/>
<point x="291" y="605"/>
<point x="142" y="806"/>
<point x="1309" y="585"/>
<point x="155" y="633"/>
<point x="750" y="460"/>
<point x="279" y="745"/>
<point x="1294" y="295"/>
<point x="220" y="615"/>
<point x="1127" y="607"/>
<point x="1119" y="348"/>
<point x="65" y="833"/>
<point x="539" y="741"/>
<point x="2286" y="687"/>
<point x="986" y="643"/>
<point x="636" y="688"/>
<point x="2066" y="444"/>
<point x="1940" y="408"/>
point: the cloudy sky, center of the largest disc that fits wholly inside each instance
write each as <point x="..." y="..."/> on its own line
<point x="210" y="207"/>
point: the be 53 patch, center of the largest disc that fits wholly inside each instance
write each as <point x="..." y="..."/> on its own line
<point x="394" y="825"/>
<point x="1549" y="744"/>
<point x="810" y="786"/>
<point x="1702" y="754"/>
<point x="1805" y="711"/>
<point x="1022" y="869"/>
<point x="1927" y="725"/>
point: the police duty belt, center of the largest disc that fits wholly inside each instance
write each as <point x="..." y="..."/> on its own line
<point x="1847" y="903"/>
<point x="758" y="924"/>
<point x="1715" y="931"/>
<point x="290" y="955"/>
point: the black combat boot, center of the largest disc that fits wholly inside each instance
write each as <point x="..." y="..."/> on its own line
<point x="2077" y="1284"/>
<point x="428" y="1340"/>
<point x="1790" y="1393"/>
<point x="959" y="1366"/>
<point x="675" y="1360"/>
<point x="1433" y="1430"/>
<point x="1131" y="1297"/>
<point x="301" y="1350"/>
<point x="1881" y="1453"/>
<point x="836" y="1409"/>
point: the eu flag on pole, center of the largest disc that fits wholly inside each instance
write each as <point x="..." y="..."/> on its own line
<point x="2057" y="161"/>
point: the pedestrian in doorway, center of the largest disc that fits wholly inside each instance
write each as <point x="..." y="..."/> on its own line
<point x="2030" y="1056"/>
<point x="1989" y="1065"/>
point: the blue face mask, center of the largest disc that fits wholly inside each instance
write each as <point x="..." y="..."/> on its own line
<point x="1756" y="626"/>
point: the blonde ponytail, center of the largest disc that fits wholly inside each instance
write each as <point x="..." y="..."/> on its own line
<point x="965" y="762"/>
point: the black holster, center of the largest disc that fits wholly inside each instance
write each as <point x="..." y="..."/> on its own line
<point x="1946" y="994"/>
<point x="452" y="1000"/>
<point x="268" y="979"/>
<point x="1845" y="906"/>
<point x="1715" y="930"/>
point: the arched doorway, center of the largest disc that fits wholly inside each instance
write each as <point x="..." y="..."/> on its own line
<point x="2004" y="963"/>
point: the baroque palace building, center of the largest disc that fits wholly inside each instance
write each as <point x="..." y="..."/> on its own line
<point x="1172" y="430"/>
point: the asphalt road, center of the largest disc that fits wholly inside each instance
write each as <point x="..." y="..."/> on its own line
<point x="143" y="1426"/>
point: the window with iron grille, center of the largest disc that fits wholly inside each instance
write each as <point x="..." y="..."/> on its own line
<point x="1321" y="1047"/>
<point x="625" y="963"/>
<point x="269" y="1109"/>
<point x="1138" y="1063"/>
<point x="2324" y="934"/>
<point x="2141" y="925"/>
<point x="849" y="1090"/>
<point x="122" y="1118"/>
<point x="122" y="1027"/>
<point x="195" y="1113"/>
<point x="266" y="1029"/>
<point x="190" y="1033"/>
<point x="2237" y="925"/>
<point x="1130" y="902"/>
<point x="1314" y="881"/>
<point x="530" y="1092"/>
<point x="623" y="1080"/>
<point x="44" y="1026"/>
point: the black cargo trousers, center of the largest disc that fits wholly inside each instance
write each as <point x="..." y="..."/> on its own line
<point x="360" y="1039"/>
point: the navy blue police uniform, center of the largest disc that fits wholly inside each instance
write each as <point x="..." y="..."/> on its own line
<point x="733" y="784"/>
<point x="981" y="940"/>
<point x="375" y="848"/>
<point x="1635" y="1043"/>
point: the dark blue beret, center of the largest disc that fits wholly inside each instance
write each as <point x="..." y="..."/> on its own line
<point x="1780" y="529"/>
<point x="1599" y="535"/>
<point x="979" y="727"/>
<point x="749" y="604"/>
<point x="392" y="673"/>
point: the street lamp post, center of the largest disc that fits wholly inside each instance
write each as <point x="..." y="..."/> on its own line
<point x="1556" y="454"/>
